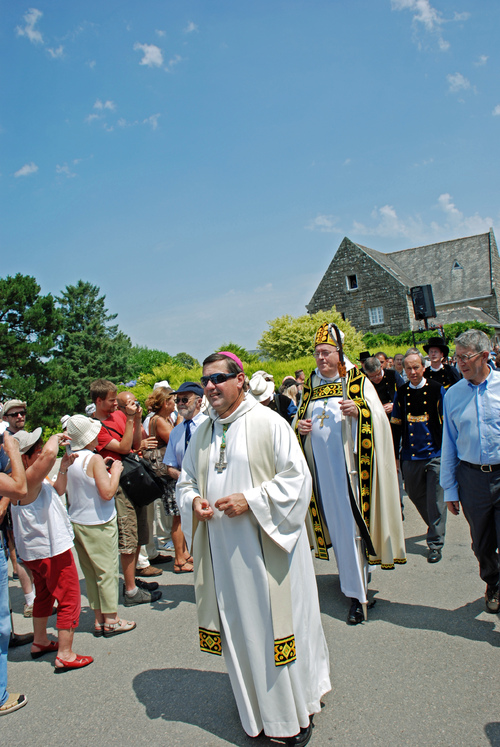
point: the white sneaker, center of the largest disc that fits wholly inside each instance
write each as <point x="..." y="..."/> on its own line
<point x="169" y="545"/>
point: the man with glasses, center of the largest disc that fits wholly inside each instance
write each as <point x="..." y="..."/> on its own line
<point x="247" y="485"/>
<point x="356" y="508"/>
<point x="470" y="461"/>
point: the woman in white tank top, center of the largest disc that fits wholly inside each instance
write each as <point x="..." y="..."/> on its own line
<point x="91" y="507"/>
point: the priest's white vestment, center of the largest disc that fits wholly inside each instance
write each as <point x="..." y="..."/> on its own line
<point x="277" y="699"/>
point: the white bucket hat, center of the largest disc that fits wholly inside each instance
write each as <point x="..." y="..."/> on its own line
<point x="260" y="388"/>
<point x="82" y="431"/>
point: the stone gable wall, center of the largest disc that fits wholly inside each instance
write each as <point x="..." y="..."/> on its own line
<point x="376" y="287"/>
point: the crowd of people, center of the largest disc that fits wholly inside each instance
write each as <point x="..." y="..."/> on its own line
<point x="246" y="477"/>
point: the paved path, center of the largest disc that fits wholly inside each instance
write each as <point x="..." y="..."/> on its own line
<point x="423" y="670"/>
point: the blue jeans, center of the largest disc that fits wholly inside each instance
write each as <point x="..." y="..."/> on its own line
<point x="4" y="624"/>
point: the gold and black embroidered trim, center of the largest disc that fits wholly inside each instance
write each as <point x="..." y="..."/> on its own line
<point x="210" y="642"/>
<point x="326" y="390"/>
<point x="284" y="650"/>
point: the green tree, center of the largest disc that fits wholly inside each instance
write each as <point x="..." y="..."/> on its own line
<point x="186" y="360"/>
<point x="89" y="346"/>
<point x="243" y="354"/>
<point x="29" y="325"/>
<point x="142" y="360"/>
<point x="291" y="337"/>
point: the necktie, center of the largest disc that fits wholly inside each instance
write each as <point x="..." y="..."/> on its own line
<point x="187" y="437"/>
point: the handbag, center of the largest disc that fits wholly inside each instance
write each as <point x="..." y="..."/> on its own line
<point x="155" y="456"/>
<point x="139" y="481"/>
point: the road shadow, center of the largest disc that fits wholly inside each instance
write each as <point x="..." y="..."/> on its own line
<point x="462" y="621"/>
<point x="412" y="548"/>
<point x="192" y="696"/>
<point x="492" y="731"/>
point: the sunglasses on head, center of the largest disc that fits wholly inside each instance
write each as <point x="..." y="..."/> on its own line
<point x="218" y="378"/>
<point x="21" y="413"/>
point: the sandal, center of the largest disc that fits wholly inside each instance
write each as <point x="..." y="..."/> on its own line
<point x="51" y="648"/>
<point x="78" y="663"/>
<point x="99" y="630"/>
<point x="181" y="568"/>
<point x="120" y="626"/>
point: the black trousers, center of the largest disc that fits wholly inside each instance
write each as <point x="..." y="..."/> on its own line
<point x="479" y="494"/>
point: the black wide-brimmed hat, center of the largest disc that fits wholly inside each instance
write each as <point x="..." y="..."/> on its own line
<point x="437" y="342"/>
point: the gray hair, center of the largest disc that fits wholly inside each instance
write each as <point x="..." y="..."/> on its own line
<point x="372" y="365"/>
<point x="475" y="340"/>
<point x="414" y="351"/>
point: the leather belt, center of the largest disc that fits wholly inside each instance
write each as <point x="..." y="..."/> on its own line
<point x="482" y="467"/>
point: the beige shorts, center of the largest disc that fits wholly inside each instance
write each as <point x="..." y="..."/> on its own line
<point x="133" y="530"/>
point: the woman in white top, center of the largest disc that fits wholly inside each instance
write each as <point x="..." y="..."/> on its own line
<point x="44" y="539"/>
<point x="91" y="507"/>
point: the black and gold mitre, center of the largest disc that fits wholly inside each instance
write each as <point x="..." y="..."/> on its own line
<point x="324" y="336"/>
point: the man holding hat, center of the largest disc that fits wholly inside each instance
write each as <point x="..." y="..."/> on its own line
<point x="439" y="370"/>
<point x="355" y="508"/>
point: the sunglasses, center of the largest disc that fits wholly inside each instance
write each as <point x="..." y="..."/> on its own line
<point x="21" y="414"/>
<point x="182" y="400"/>
<point x="218" y="378"/>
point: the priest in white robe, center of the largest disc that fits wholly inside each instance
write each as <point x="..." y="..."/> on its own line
<point x="247" y="484"/>
<point x="355" y="504"/>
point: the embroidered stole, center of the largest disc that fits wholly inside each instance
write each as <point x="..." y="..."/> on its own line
<point x="364" y="453"/>
<point x="259" y="435"/>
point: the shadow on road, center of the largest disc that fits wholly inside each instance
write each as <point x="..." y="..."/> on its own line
<point x="461" y="622"/>
<point x="192" y="696"/>
<point x="492" y="731"/>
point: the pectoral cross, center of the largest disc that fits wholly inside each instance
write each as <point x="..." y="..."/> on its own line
<point x="221" y="465"/>
<point x="323" y="417"/>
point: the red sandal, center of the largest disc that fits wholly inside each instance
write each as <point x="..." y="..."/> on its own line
<point x="78" y="663"/>
<point x="51" y="648"/>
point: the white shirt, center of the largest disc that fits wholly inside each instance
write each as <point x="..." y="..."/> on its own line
<point x="42" y="529"/>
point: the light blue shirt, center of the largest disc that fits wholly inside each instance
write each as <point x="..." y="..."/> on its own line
<point x="471" y="428"/>
<point x="176" y="447"/>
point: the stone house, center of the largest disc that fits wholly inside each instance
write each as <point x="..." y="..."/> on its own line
<point x="372" y="289"/>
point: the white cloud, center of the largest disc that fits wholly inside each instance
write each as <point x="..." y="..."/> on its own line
<point x="482" y="60"/>
<point x="153" y="56"/>
<point x="387" y="224"/>
<point x="106" y="105"/>
<point x="324" y="224"/>
<point x="190" y="28"/>
<point x="65" y="170"/>
<point x="426" y="17"/>
<point x="27" y="169"/>
<point x="152" y="120"/>
<point x="32" y="16"/>
<point x="496" y="111"/>
<point x="55" y="53"/>
<point x="173" y="62"/>
<point x="90" y="118"/>
<point x="160" y="32"/>
<point x="457" y="82"/>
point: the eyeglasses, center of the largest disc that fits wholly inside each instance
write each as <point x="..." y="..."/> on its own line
<point x="465" y="358"/>
<point x="21" y="413"/>
<point x="182" y="400"/>
<point x="325" y="353"/>
<point x="218" y="378"/>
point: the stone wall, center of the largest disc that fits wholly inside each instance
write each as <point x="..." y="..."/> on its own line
<point x="376" y="287"/>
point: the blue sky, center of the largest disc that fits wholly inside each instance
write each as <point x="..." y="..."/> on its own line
<point x="201" y="161"/>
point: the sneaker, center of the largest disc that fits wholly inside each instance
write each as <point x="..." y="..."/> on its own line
<point x="492" y="599"/>
<point x="141" y="596"/>
<point x="28" y="610"/>
<point x="169" y="545"/>
<point x="14" y="702"/>
<point x="148" y="585"/>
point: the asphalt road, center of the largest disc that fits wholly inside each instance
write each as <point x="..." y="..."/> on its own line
<point x="422" y="671"/>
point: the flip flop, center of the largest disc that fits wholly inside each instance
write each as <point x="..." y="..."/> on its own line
<point x="182" y="567"/>
<point x="52" y="647"/>
<point x="120" y="626"/>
